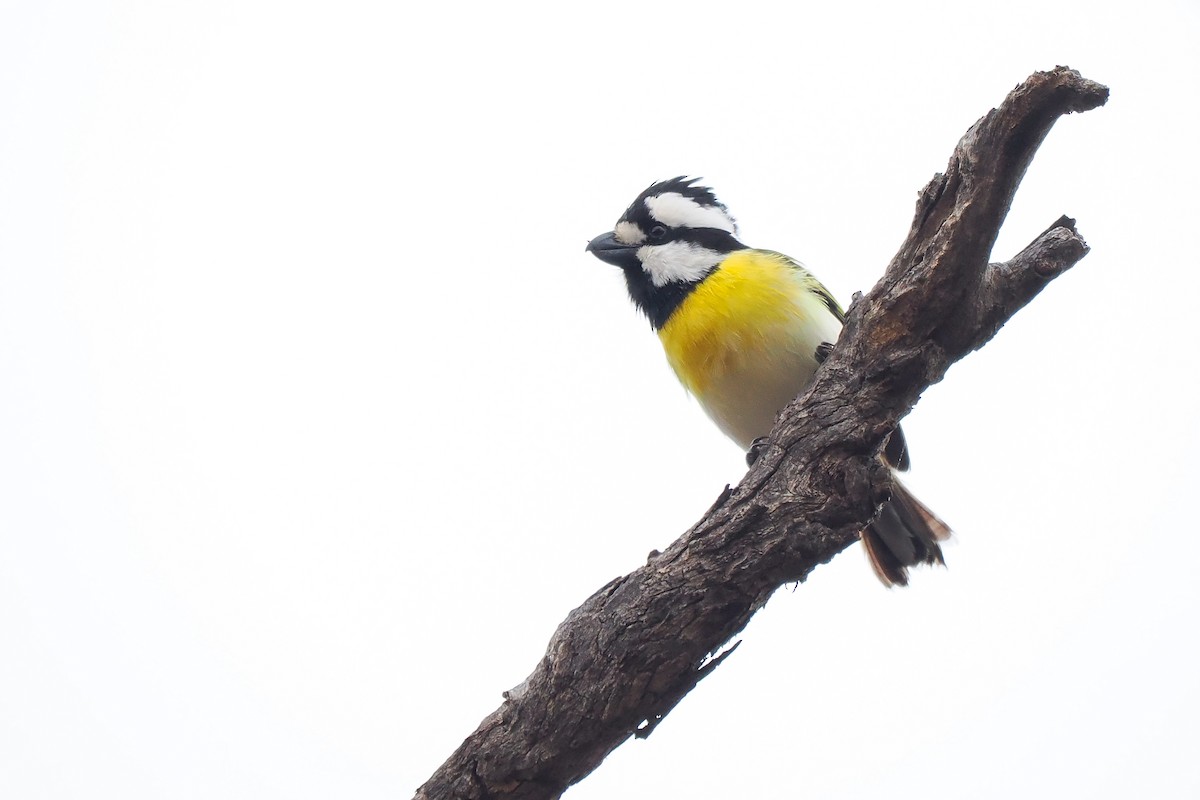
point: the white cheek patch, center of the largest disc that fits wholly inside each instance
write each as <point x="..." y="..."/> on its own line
<point x="628" y="233"/>
<point x="677" y="262"/>
<point x="676" y="211"/>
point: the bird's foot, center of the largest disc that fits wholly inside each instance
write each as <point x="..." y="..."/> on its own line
<point x="756" y="450"/>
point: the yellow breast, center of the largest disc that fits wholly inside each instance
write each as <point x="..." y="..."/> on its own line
<point x="744" y="340"/>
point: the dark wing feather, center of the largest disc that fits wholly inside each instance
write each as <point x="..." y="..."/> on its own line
<point x="895" y="451"/>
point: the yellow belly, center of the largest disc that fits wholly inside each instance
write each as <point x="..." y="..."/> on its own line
<point x="744" y="341"/>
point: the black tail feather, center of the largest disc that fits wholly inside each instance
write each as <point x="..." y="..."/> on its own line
<point x="905" y="533"/>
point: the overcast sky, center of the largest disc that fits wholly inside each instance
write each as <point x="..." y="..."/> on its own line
<point x="316" y="419"/>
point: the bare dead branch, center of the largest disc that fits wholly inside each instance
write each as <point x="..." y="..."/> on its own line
<point x="622" y="660"/>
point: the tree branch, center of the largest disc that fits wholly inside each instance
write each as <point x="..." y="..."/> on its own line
<point x="622" y="660"/>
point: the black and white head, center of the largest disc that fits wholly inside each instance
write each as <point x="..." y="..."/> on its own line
<point x="672" y="236"/>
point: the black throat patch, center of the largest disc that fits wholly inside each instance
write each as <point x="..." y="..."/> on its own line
<point x="658" y="302"/>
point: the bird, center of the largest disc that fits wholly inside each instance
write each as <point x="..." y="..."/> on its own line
<point x="744" y="331"/>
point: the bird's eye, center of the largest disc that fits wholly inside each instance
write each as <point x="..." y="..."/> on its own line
<point x="657" y="233"/>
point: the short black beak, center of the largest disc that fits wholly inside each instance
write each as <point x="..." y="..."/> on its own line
<point x="606" y="248"/>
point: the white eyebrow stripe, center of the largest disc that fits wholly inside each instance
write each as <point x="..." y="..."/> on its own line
<point x="677" y="262"/>
<point x="676" y="211"/>
<point x="628" y="233"/>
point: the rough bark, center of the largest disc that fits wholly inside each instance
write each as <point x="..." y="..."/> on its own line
<point x="622" y="660"/>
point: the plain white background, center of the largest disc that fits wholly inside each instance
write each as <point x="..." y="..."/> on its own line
<point x="316" y="419"/>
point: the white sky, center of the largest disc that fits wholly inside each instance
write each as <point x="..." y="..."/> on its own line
<point x="316" y="419"/>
